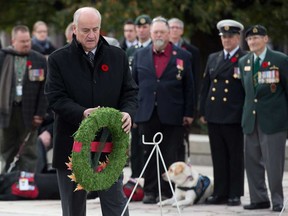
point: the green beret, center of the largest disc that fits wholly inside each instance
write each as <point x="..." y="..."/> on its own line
<point x="142" y="20"/>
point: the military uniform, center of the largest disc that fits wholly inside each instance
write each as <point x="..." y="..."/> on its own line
<point x="140" y="20"/>
<point x="264" y="120"/>
<point x="221" y="102"/>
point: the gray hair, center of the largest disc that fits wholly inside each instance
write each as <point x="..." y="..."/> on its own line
<point x="180" y="22"/>
<point x="84" y="9"/>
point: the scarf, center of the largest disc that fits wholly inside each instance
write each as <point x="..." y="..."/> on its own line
<point x="6" y="79"/>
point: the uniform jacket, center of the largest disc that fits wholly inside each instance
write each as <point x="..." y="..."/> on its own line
<point x="222" y="94"/>
<point x="268" y="102"/>
<point x="73" y="85"/>
<point x="131" y="51"/>
<point x="173" y="97"/>
<point x="33" y="100"/>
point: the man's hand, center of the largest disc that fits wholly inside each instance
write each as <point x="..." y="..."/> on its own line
<point x="187" y="121"/>
<point x="203" y="120"/>
<point x="87" y="112"/>
<point x="127" y="123"/>
<point x="46" y="139"/>
<point x="37" y="121"/>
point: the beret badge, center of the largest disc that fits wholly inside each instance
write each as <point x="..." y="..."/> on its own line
<point x="255" y="30"/>
<point x="142" y="21"/>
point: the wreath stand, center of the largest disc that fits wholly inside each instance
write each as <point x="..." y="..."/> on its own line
<point x="158" y="153"/>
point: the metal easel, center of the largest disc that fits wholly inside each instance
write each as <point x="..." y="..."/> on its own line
<point x="158" y="153"/>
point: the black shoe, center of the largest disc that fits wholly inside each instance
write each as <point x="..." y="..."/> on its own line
<point x="234" y="201"/>
<point x="216" y="200"/>
<point x="277" y="208"/>
<point x="149" y="199"/>
<point x="260" y="205"/>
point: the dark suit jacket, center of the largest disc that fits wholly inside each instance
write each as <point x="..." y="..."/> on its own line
<point x="222" y="94"/>
<point x="174" y="97"/>
<point x="123" y="44"/>
<point x="196" y="67"/>
<point x="268" y="102"/>
<point x="73" y="85"/>
<point x="33" y="99"/>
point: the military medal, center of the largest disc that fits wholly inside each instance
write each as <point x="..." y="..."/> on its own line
<point x="273" y="87"/>
<point x="178" y="76"/>
<point x="236" y="74"/>
<point x="36" y="74"/>
<point x="180" y="67"/>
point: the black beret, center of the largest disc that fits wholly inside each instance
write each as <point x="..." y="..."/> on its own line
<point x="256" y="30"/>
<point x="229" y="26"/>
<point x="142" y="20"/>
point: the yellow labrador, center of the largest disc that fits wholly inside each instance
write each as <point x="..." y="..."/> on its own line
<point x="190" y="186"/>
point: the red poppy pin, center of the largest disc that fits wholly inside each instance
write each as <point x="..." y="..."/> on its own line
<point x="265" y="64"/>
<point x="233" y="59"/>
<point x="29" y="64"/>
<point x="104" y="67"/>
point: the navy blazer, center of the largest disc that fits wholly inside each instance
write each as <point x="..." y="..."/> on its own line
<point x="173" y="97"/>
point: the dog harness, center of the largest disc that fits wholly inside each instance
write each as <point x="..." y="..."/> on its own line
<point x="201" y="186"/>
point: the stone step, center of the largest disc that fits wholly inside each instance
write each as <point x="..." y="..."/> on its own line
<point x="200" y="153"/>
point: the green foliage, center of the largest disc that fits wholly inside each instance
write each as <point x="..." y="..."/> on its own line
<point x="198" y="15"/>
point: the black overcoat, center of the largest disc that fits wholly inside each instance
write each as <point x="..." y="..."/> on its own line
<point x="73" y="85"/>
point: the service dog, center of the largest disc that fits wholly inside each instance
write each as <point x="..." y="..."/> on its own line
<point x="190" y="186"/>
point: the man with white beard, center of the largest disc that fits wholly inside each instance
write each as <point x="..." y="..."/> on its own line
<point x="163" y="74"/>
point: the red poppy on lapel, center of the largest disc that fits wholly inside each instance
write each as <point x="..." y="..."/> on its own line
<point x="104" y="67"/>
<point x="29" y="64"/>
<point x="233" y="59"/>
<point x="265" y="64"/>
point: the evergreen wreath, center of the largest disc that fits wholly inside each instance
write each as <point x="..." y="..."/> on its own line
<point x="80" y="163"/>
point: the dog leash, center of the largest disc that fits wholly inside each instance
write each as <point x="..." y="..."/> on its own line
<point x="17" y="156"/>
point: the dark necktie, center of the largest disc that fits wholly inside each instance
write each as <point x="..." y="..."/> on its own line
<point x="91" y="57"/>
<point x="227" y="57"/>
<point x="256" y="67"/>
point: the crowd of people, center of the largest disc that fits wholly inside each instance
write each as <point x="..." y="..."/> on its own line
<point x="153" y="76"/>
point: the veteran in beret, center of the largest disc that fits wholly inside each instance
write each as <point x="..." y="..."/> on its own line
<point x="221" y="102"/>
<point x="264" y="75"/>
<point x="142" y="24"/>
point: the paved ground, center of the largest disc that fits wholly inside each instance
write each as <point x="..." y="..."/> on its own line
<point x="53" y="208"/>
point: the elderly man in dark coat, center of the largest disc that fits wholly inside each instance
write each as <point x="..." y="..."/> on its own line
<point x="86" y="74"/>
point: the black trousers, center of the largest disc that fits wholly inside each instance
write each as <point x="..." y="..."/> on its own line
<point x="172" y="138"/>
<point x="112" y="200"/>
<point x="227" y="150"/>
<point x="137" y="153"/>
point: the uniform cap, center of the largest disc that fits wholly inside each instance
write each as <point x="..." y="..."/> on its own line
<point x="142" y="20"/>
<point x="229" y="26"/>
<point x="256" y="30"/>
